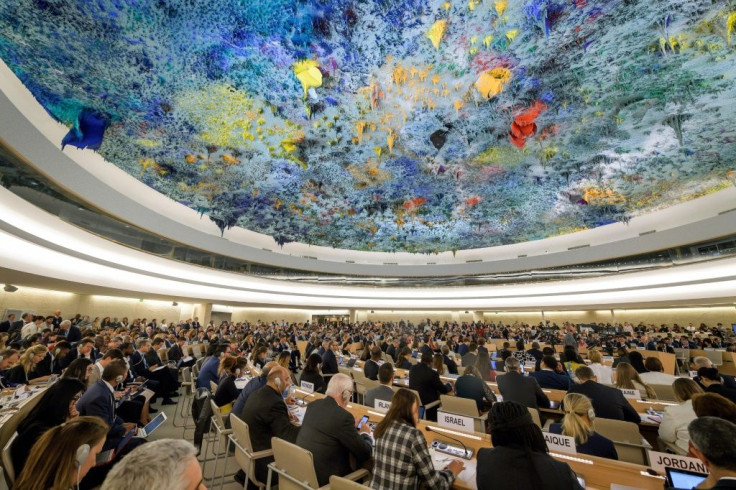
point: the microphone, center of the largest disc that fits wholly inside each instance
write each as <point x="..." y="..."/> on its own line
<point x="467" y="453"/>
<point x="301" y="402"/>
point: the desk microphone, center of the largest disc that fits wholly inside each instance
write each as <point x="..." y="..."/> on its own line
<point x="301" y="402"/>
<point x="468" y="454"/>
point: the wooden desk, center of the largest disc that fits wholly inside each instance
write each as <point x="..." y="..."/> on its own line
<point x="668" y="360"/>
<point x="598" y="473"/>
<point x="729" y="363"/>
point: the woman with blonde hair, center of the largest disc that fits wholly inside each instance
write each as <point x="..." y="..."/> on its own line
<point x="673" y="429"/>
<point x="438" y="364"/>
<point x="24" y="371"/>
<point x="63" y="455"/>
<point x="627" y="378"/>
<point x="578" y="423"/>
<point x="603" y="373"/>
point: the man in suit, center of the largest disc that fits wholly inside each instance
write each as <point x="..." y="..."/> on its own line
<point x="548" y="377"/>
<point x="516" y="387"/>
<point x="328" y="431"/>
<point x="426" y="381"/>
<point x="608" y="403"/>
<point x="704" y="362"/>
<point x="56" y="319"/>
<point x="70" y="332"/>
<point x="711" y="380"/>
<point x="463" y="348"/>
<point x="451" y="365"/>
<point x="713" y="441"/>
<point x="167" y="384"/>
<point x="100" y="400"/>
<point x="329" y="359"/>
<point x="267" y="416"/>
<point x="384" y="391"/>
<point x="83" y="349"/>
<point x="5" y="326"/>
<point x="208" y="370"/>
<point x="370" y="368"/>
<point x="176" y="353"/>
<point x="393" y="349"/>
<point x="535" y="352"/>
<point x="469" y="358"/>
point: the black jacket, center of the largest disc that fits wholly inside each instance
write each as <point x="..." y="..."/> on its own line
<point x="328" y="431"/>
<point x="719" y="389"/>
<point x="329" y="362"/>
<point x="370" y="368"/>
<point x="426" y="381"/>
<point x="316" y="379"/>
<point x="608" y="403"/>
<point x="267" y="416"/>
<point x="522" y="389"/>
<point x="516" y="470"/>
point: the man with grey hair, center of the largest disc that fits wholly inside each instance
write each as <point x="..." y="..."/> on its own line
<point x="713" y="441"/>
<point x="704" y="362"/>
<point x="515" y="387"/>
<point x="328" y="431"/>
<point x="169" y="464"/>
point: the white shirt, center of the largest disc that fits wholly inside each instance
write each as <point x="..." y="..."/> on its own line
<point x="28" y="330"/>
<point x="603" y="373"/>
<point x="673" y="428"/>
<point x="655" y="378"/>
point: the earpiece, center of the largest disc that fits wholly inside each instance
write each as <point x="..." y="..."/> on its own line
<point x="237" y="372"/>
<point x="82" y="453"/>
<point x="591" y="414"/>
<point x="277" y="382"/>
<point x="119" y="379"/>
<point x="345" y="397"/>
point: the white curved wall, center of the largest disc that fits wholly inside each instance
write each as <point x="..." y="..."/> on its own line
<point x="27" y="129"/>
<point x="37" y="244"/>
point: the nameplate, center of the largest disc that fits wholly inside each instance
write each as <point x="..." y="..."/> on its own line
<point x="660" y="461"/>
<point x="382" y="405"/>
<point x="607" y="358"/>
<point x="560" y="443"/>
<point x="693" y="374"/>
<point x="640" y="348"/>
<point x="631" y="394"/>
<point x="456" y="422"/>
<point x="530" y="365"/>
<point x="307" y="386"/>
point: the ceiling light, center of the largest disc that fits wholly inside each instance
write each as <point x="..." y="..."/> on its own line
<point x="174" y="303"/>
<point x="9" y="288"/>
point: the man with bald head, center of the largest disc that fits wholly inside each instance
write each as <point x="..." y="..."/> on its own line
<point x="267" y="416"/>
<point x="251" y="387"/>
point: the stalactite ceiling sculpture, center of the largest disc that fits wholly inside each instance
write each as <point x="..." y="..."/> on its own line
<point x="394" y="125"/>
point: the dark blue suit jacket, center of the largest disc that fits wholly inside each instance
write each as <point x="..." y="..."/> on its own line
<point x="551" y="380"/>
<point x="138" y="366"/>
<point x="329" y="362"/>
<point x="98" y="401"/>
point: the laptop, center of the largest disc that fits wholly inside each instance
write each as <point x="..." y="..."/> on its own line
<point x="677" y="478"/>
<point x="351" y="362"/>
<point x="152" y="425"/>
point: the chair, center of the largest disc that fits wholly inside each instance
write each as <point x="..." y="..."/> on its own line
<point x="715" y="356"/>
<point x="535" y="416"/>
<point x="295" y="467"/>
<point x="218" y="423"/>
<point x="213" y="387"/>
<point x="196" y="351"/>
<point x="466" y="407"/>
<point x="244" y="455"/>
<point x="682" y="360"/>
<point x="426" y="407"/>
<point x="163" y="353"/>
<point x="340" y="483"/>
<point x="664" y="392"/>
<point x="8" y="460"/>
<point x="183" y="407"/>
<point x="629" y="443"/>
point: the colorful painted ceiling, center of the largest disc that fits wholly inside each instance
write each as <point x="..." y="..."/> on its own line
<point x="394" y="125"/>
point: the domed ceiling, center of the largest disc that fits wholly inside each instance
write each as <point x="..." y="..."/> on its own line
<point x="394" y="125"/>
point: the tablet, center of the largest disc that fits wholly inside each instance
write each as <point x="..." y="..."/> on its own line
<point x="152" y="425"/>
<point x="684" y="479"/>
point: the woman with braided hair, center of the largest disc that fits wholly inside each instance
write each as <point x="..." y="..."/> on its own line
<point x="519" y="456"/>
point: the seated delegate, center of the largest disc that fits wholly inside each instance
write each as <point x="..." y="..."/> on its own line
<point x="578" y="423"/>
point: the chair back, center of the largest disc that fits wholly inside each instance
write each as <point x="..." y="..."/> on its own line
<point x="213" y="387"/>
<point x="8" y="460"/>
<point x="626" y="438"/>
<point x="458" y="405"/>
<point x="217" y="416"/>
<point x="664" y="392"/>
<point x="244" y="458"/>
<point x="163" y="353"/>
<point x="196" y="350"/>
<point x="340" y="483"/>
<point x="715" y="356"/>
<point x="296" y="462"/>
<point x="535" y="416"/>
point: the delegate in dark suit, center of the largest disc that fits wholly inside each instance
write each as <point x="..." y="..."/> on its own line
<point x="551" y="380"/>
<point x="608" y="403"/>
<point x="267" y="416"/>
<point x="329" y="362"/>
<point x="74" y="334"/>
<point x="328" y="431"/>
<point x="513" y="467"/>
<point x="426" y="381"/>
<point x="518" y="388"/>
<point x="382" y="392"/>
<point x="99" y="401"/>
<point x="370" y="369"/>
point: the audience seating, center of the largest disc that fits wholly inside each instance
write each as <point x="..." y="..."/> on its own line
<point x="244" y="455"/>
<point x="664" y="392"/>
<point x="295" y="467"/>
<point x="465" y="407"/>
<point x="8" y="460"/>
<point x="340" y="483"/>
<point x="535" y="416"/>
<point x="426" y="407"/>
<point x="629" y="443"/>
<point x="219" y="443"/>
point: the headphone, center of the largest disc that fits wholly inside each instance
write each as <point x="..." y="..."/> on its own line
<point x="119" y="379"/>
<point x="346" y="396"/>
<point x="590" y="413"/>
<point x="82" y="454"/>
<point x="237" y="371"/>
<point x="277" y="382"/>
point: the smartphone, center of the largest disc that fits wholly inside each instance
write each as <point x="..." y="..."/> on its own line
<point x="104" y="457"/>
<point x="363" y="420"/>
